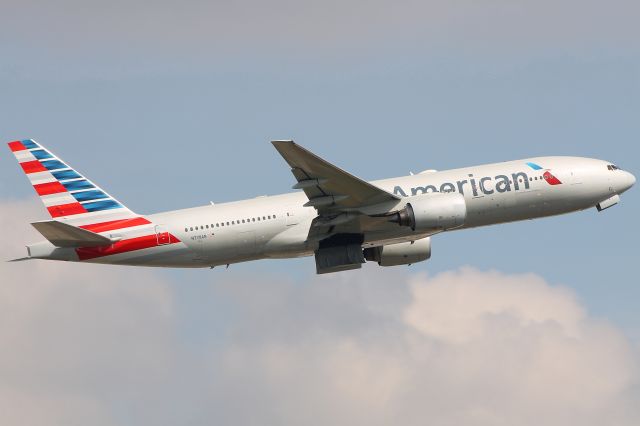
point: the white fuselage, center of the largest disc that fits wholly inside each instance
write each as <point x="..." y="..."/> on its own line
<point x="279" y="226"/>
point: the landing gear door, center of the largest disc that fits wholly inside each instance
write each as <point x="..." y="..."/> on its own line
<point x="162" y="235"/>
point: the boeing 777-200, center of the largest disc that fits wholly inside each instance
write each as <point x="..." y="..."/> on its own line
<point x="342" y="220"/>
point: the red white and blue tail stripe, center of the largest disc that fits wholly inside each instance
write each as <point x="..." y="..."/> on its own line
<point x="72" y="198"/>
<point x="67" y="195"/>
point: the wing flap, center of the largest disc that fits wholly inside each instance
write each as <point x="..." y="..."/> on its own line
<point x="64" y="235"/>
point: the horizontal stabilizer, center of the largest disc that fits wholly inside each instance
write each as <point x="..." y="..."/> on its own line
<point x="20" y="259"/>
<point x="64" y="235"/>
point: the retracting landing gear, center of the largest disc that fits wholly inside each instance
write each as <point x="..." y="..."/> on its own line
<point x="340" y="252"/>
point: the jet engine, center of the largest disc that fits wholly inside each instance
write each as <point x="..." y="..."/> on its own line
<point x="400" y="253"/>
<point x="432" y="211"/>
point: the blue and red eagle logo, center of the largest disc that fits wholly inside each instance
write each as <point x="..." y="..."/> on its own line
<point x="551" y="179"/>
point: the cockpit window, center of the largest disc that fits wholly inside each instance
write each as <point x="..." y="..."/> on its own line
<point x="613" y="167"/>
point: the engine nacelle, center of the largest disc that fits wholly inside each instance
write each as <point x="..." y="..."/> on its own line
<point x="401" y="253"/>
<point x="436" y="210"/>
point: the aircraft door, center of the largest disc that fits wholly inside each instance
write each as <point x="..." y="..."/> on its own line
<point x="162" y="235"/>
<point x="290" y="216"/>
<point x="575" y="177"/>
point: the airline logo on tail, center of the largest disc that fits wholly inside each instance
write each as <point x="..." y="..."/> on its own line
<point x="64" y="191"/>
<point x="551" y="179"/>
<point x="82" y="212"/>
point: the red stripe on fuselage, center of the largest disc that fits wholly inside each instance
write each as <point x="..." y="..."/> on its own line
<point x="49" y="188"/>
<point x="115" y="224"/>
<point x="124" y="246"/>
<point x="32" y="167"/>
<point x="66" y="209"/>
<point x="16" y="146"/>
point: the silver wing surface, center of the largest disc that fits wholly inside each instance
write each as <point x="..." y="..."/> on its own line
<point x="328" y="187"/>
<point x="340" y="198"/>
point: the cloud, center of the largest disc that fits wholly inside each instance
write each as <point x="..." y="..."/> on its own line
<point x="75" y="339"/>
<point x="91" y="344"/>
<point x="463" y="347"/>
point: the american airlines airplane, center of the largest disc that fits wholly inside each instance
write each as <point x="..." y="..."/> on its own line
<point x="342" y="220"/>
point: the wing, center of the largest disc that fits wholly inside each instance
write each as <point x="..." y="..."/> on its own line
<point x="330" y="189"/>
<point x="341" y="199"/>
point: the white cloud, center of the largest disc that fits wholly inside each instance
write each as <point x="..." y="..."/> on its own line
<point x="74" y="337"/>
<point x="90" y="344"/>
<point x="468" y="347"/>
<point x="486" y="300"/>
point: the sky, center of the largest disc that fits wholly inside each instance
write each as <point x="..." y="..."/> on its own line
<point x="173" y="104"/>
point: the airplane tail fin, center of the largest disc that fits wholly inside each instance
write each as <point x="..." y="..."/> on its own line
<point x="67" y="194"/>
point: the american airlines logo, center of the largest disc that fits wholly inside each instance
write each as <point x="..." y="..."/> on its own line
<point x="500" y="183"/>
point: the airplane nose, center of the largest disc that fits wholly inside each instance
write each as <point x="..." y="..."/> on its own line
<point x="627" y="181"/>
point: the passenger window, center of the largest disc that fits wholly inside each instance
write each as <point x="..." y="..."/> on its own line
<point x="263" y="218"/>
<point x="274" y="216"/>
<point x="253" y="219"/>
<point x="186" y="229"/>
<point x="192" y="228"/>
<point x="269" y="216"/>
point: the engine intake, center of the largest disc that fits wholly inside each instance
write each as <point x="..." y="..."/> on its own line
<point x="433" y="211"/>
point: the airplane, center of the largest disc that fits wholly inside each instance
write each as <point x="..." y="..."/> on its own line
<point x="335" y="216"/>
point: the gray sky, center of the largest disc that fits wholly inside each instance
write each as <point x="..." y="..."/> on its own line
<point x="168" y="105"/>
